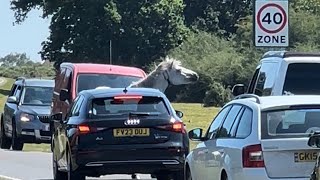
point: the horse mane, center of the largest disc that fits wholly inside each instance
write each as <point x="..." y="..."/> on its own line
<point x="167" y="63"/>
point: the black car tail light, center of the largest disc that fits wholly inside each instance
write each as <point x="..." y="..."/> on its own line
<point x="176" y="126"/>
<point x="85" y="129"/>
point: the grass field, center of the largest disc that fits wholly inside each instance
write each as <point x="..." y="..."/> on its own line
<point x="194" y="116"/>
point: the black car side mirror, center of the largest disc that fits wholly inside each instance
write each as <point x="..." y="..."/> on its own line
<point x="57" y="117"/>
<point x="64" y="95"/>
<point x="238" y="89"/>
<point x="179" y="114"/>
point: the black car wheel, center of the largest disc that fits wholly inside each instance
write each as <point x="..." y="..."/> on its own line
<point x="57" y="175"/>
<point x="73" y="175"/>
<point x="17" y="144"/>
<point x="5" y="142"/>
<point x="176" y="175"/>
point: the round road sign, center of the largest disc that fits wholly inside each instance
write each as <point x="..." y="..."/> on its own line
<point x="271" y="18"/>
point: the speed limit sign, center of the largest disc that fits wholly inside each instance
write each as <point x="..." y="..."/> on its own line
<point x="271" y="23"/>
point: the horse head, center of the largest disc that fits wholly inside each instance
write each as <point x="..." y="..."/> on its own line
<point x="175" y="74"/>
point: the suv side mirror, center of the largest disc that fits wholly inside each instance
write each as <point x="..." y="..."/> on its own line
<point x="57" y="117"/>
<point x="64" y="95"/>
<point x="195" y="134"/>
<point x="179" y="114"/>
<point x="238" y="89"/>
<point x="314" y="140"/>
<point x="12" y="99"/>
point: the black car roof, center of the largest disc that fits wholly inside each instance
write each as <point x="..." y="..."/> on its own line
<point x="110" y="92"/>
<point x="36" y="82"/>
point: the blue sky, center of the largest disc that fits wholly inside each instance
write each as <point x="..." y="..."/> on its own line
<point x="25" y="37"/>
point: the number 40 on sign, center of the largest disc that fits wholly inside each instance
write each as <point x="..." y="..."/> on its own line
<point x="271" y="23"/>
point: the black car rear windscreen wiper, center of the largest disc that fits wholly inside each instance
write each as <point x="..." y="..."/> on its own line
<point x="144" y="114"/>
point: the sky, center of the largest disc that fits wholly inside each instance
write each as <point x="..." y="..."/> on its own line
<point x="22" y="38"/>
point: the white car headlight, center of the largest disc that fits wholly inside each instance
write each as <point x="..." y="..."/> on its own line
<point x="26" y="117"/>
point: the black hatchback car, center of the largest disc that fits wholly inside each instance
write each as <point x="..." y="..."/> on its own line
<point x="120" y="131"/>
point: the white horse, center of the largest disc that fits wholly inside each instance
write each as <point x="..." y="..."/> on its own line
<point x="168" y="72"/>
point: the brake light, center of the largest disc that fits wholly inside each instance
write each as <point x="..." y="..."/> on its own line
<point x="252" y="156"/>
<point x="84" y="129"/>
<point x="175" y="127"/>
<point x="128" y="97"/>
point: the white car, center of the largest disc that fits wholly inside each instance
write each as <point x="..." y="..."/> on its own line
<point x="257" y="138"/>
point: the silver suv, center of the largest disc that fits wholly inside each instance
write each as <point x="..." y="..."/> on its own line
<point x="284" y="73"/>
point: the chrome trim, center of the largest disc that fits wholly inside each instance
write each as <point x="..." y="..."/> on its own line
<point x="27" y="133"/>
<point x="100" y="163"/>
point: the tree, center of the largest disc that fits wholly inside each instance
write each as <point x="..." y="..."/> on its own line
<point x="15" y="59"/>
<point x="218" y="16"/>
<point x="81" y="30"/>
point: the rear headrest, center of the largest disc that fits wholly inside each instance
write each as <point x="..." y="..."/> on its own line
<point x="312" y="118"/>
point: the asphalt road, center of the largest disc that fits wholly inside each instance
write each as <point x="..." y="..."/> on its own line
<point x="35" y="166"/>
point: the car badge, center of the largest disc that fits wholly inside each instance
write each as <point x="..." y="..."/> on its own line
<point x="132" y="122"/>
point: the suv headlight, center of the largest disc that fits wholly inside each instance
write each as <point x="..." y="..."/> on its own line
<point x="26" y="117"/>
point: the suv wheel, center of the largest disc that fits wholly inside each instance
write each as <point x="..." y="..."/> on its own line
<point x="73" y="175"/>
<point x="17" y="144"/>
<point x="176" y="175"/>
<point x="5" y="142"/>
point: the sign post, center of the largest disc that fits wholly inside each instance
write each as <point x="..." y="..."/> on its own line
<point x="271" y="23"/>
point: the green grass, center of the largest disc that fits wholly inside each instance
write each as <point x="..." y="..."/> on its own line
<point x="194" y="116"/>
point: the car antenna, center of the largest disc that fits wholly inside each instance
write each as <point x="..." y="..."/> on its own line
<point x="125" y="90"/>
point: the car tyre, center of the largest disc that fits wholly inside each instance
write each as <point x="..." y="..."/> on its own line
<point x="57" y="175"/>
<point x="224" y="176"/>
<point x="5" y="142"/>
<point x="16" y="143"/>
<point x="73" y="175"/>
<point x="188" y="174"/>
<point x="176" y="175"/>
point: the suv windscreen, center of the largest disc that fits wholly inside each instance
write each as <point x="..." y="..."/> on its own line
<point x="37" y="95"/>
<point x="143" y="105"/>
<point x="92" y="81"/>
<point x="302" y="78"/>
<point x="290" y="123"/>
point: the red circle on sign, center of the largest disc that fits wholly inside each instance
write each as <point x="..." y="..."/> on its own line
<point x="282" y="12"/>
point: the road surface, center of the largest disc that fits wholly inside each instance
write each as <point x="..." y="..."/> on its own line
<point x="35" y="166"/>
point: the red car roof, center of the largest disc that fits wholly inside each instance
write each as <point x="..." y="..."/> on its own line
<point x="107" y="69"/>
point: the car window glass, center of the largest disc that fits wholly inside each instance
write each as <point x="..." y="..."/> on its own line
<point x="109" y="106"/>
<point x="225" y="130"/>
<point x="92" y="81"/>
<point x="253" y="81"/>
<point x="217" y="122"/>
<point x="302" y="78"/>
<point x="76" y="108"/>
<point x="236" y="123"/>
<point x="245" y="124"/>
<point x="13" y="89"/>
<point x="18" y="92"/>
<point x="266" y="78"/>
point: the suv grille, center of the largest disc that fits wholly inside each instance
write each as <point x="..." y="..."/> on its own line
<point x="44" y="119"/>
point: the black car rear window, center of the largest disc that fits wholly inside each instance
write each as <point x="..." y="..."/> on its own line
<point x="148" y="105"/>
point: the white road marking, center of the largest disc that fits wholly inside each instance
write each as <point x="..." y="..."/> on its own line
<point x="7" y="178"/>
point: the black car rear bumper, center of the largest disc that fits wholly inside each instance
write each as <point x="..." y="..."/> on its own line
<point x="151" y="166"/>
<point x="129" y="160"/>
